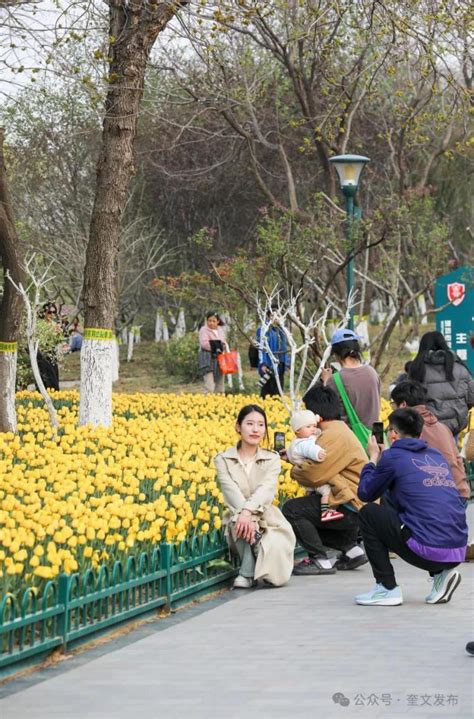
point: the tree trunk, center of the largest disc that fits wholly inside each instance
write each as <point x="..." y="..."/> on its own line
<point x="130" y="343"/>
<point x="115" y="361"/>
<point x="7" y="388"/>
<point x="180" y="329"/>
<point x="158" y="326"/>
<point x="11" y="304"/>
<point x="133" y="29"/>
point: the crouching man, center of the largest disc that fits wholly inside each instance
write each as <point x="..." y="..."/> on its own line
<point x="424" y="520"/>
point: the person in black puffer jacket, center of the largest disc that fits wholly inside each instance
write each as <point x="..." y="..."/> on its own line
<point x="448" y="382"/>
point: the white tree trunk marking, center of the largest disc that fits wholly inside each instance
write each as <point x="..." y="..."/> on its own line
<point x="131" y="340"/>
<point x="97" y="359"/>
<point x="158" y="327"/>
<point x="7" y="391"/>
<point x="180" y="330"/>
<point x="115" y="361"/>
<point x="240" y="374"/>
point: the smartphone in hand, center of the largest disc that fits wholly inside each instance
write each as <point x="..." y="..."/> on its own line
<point x="377" y="431"/>
<point x="279" y="441"/>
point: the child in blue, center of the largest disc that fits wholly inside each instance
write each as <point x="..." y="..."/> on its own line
<point x="423" y="519"/>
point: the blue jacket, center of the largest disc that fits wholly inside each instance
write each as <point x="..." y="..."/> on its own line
<point x="420" y="487"/>
<point x="277" y="342"/>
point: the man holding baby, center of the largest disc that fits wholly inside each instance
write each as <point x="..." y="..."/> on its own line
<point x="340" y="469"/>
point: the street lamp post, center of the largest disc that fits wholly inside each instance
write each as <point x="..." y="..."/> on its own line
<point x="349" y="168"/>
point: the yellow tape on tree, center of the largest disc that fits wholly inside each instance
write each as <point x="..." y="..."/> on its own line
<point x="8" y="346"/>
<point x="95" y="333"/>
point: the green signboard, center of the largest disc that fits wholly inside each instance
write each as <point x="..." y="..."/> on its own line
<point x="454" y="295"/>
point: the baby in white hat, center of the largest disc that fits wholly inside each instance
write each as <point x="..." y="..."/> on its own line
<point x="305" y="426"/>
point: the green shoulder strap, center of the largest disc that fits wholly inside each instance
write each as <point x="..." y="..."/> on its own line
<point x="360" y="430"/>
<point x="350" y="411"/>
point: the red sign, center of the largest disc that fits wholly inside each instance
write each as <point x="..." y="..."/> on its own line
<point x="456" y="292"/>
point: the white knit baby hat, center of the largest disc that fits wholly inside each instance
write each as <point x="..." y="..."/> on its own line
<point x="302" y="418"/>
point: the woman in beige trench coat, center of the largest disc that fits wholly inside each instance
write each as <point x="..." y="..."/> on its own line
<point x="248" y="477"/>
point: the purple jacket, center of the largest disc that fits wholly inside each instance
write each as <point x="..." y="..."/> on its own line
<point x="421" y="489"/>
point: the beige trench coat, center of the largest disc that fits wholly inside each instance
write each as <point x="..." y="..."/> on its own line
<point x="256" y="492"/>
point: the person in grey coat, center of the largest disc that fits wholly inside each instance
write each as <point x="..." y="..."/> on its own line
<point x="448" y="381"/>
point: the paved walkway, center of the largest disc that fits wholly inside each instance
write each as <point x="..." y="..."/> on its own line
<point x="276" y="653"/>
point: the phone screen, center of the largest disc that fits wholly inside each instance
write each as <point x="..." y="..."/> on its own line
<point x="279" y="441"/>
<point x="377" y="431"/>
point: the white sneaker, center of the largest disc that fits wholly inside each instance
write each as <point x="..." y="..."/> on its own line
<point x="381" y="596"/>
<point x="241" y="582"/>
<point x="444" y="585"/>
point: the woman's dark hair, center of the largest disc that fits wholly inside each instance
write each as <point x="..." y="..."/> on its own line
<point x="248" y="409"/>
<point x="408" y="422"/>
<point x="324" y="401"/>
<point x="431" y="342"/>
<point x="48" y="308"/>
<point x="348" y="348"/>
<point x="409" y="391"/>
<point x="212" y="314"/>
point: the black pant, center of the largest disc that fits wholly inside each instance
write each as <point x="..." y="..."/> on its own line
<point x="270" y="388"/>
<point x="382" y="532"/>
<point x="304" y="515"/>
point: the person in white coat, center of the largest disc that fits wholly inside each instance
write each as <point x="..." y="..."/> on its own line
<point x="248" y="477"/>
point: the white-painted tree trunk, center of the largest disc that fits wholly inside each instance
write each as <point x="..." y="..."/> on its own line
<point x="180" y="330"/>
<point x="422" y="309"/>
<point x="230" y="381"/>
<point x="130" y="343"/>
<point x="362" y="329"/>
<point x="115" y="361"/>
<point x="7" y="391"/>
<point x="158" y="326"/>
<point x="240" y="374"/>
<point x="166" y="334"/>
<point x="95" y="405"/>
<point x="124" y="335"/>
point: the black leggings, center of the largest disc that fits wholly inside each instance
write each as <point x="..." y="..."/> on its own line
<point x="381" y="531"/>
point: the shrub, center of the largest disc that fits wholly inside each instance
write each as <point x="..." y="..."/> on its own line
<point x="181" y="357"/>
<point x="49" y="340"/>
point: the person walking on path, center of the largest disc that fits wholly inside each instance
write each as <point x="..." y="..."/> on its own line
<point x="448" y="382"/>
<point x="424" y="521"/>
<point x="345" y="458"/>
<point x="360" y="381"/>
<point x="276" y="340"/>
<point x="434" y="433"/>
<point x="211" y="343"/>
<point x="248" y="477"/>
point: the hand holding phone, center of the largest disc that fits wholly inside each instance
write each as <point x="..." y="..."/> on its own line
<point x="377" y="431"/>
<point x="279" y="441"/>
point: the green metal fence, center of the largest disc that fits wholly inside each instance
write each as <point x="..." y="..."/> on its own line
<point x="76" y="606"/>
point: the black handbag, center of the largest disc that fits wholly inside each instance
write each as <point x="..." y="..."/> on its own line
<point x="253" y="356"/>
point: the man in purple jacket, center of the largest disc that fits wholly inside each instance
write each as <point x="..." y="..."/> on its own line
<point x="424" y="520"/>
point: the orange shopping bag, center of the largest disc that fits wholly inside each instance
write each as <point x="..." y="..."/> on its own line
<point x="228" y="363"/>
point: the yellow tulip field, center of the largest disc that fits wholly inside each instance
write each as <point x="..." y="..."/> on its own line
<point x="90" y="496"/>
